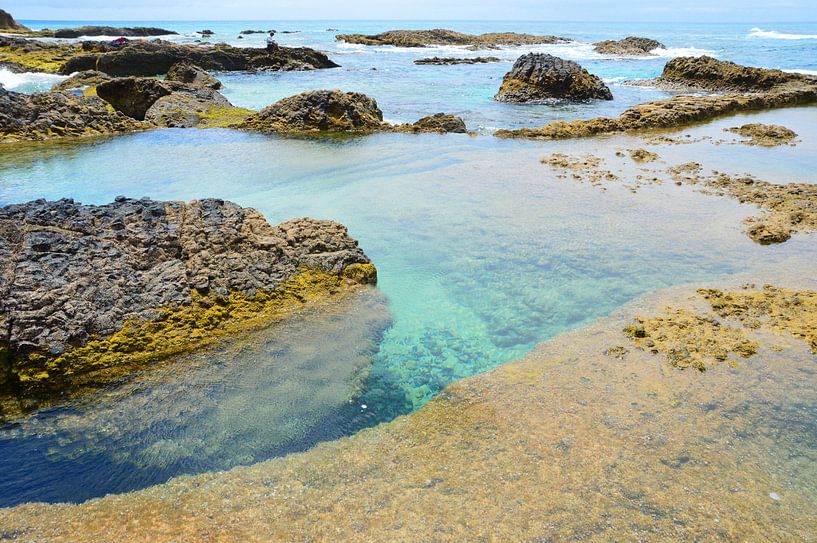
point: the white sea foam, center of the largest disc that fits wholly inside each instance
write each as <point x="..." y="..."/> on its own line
<point x="799" y="71"/>
<point x="774" y="35"/>
<point x="28" y="81"/>
<point x="673" y="52"/>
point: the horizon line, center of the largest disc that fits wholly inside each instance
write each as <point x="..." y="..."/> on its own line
<point x="417" y="20"/>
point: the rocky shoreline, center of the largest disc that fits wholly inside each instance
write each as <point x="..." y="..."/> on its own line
<point x="90" y="294"/>
<point x="441" y="36"/>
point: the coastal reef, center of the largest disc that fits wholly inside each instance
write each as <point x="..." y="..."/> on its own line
<point x="334" y="111"/>
<point x="744" y="88"/>
<point x="539" y="77"/>
<point x="765" y="135"/>
<point x="50" y="115"/>
<point x="566" y="444"/>
<point x="149" y="58"/>
<point x="631" y="47"/>
<point x="442" y="61"/>
<point x="88" y="294"/>
<point x="440" y="36"/>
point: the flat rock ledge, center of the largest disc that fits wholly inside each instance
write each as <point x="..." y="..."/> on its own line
<point x="444" y="61"/>
<point x="89" y="294"/>
<point x="334" y="111"/>
<point x="539" y="77"/>
<point x="441" y="36"/>
<point x="630" y="46"/>
<point x="743" y="88"/>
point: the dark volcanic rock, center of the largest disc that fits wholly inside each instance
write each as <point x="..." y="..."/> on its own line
<point x="538" y="77"/>
<point x="135" y="32"/>
<point x="133" y="96"/>
<point x="439" y="122"/>
<point x="630" y="46"/>
<point x="73" y="273"/>
<point x="187" y="106"/>
<point x="7" y="22"/>
<point x="441" y="36"/>
<point x="191" y="74"/>
<point x="443" y="61"/>
<point x="324" y="110"/>
<point x="58" y="114"/>
<point x="157" y="57"/>
<point x="81" y="80"/>
<point x="711" y="74"/>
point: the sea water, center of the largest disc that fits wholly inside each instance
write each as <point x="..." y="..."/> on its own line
<point x="482" y="253"/>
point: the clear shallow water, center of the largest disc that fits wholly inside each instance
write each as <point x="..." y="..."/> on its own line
<point x="406" y="92"/>
<point x="482" y="253"/>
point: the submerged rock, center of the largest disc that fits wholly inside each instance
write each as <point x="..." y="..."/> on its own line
<point x="7" y="22"/>
<point x="630" y="46"/>
<point x="334" y="111"/>
<point x="747" y="89"/>
<point x="141" y="58"/>
<point x="441" y="36"/>
<point x="456" y="60"/>
<point x="184" y="72"/>
<point x="766" y="135"/>
<point x="88" y="293"/>
<point x="539" y="77"/>
<point x="50" y="115"/>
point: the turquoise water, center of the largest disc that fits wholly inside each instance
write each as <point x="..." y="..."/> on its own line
<point x="482" y="251"/>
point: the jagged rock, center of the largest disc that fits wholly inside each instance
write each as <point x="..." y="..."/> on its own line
<point x="444" y="61"/>
<point x="133" y="96"/>
<point x="7" y="22"/>
<point x="137" y="31"/>
<point x="85" y="287"/>
<point x="82" y="80"/>
<point x="440" y="123"/>
<point x="191" y="74"/>
<point x="58" y="114"/>
<point x="141" y="58"/>
<point x="630" y="46"/>
<point x="441" y="36"/>
<point x="539" y="77"/>
<point x="323" y="110"/>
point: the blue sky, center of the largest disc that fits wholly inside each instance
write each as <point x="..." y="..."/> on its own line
<point x="746" y="11"/>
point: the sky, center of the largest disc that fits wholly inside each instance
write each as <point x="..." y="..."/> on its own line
<point x="744" y="11"/>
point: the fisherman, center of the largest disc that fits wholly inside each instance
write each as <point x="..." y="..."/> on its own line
<point x="272" y="45"/>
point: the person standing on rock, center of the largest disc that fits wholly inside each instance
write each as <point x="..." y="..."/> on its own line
<point x="272" y="45"/>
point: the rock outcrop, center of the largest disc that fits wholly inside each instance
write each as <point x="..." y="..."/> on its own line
<point x="539" y="77"/>
<point x="92" y="292"/>
<point x="630" y="46"/>
<point x="7" y="22"/>
<point x="133" y="96"/>
<point x="765" y="135"/>
<point x="82" y="80"/>
<point x="130" y="32"/>
<point x="58" y="114"/>
<point x="746" y="89"/>
<point x="455" y="60"/>
<point x="191" y="74"/>
<point x="334" y="111"/>
<point x="440" y="36"/>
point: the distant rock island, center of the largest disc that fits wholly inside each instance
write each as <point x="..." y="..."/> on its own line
<point x="440" y="36"/>
<point x="453" y="60"/>
<point x="629" y="47"/>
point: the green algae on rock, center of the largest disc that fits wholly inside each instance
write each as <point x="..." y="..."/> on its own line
<point x="98" y="291"/>
<point x="766" y="135"/>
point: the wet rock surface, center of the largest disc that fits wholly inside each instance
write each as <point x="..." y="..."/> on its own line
<point x="82" y="80"/>
<point x="441" y="61"/>
<point x="630" y="46"/>
<point x="140" y="58"/>
<point x="765" y="135"/>
<point x="539" y="77"/>
<point x="439" y="122"/>
<point x="191" y="74"/>
<point x="439" y="36"/>
<point x="78" y="279"/>
<point x="58" y="114"/>
<point x="747" y="89"/>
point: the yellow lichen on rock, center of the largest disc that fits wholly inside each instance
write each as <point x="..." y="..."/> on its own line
<point x="223" y="116"/>
<point x="48" y="60"/>
<point x="689" y="339"/>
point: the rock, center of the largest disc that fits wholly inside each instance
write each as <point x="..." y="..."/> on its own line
<point x="50" y="115"/>
<point x="443" y="61"/>
<point x="82" y="80"/>
<point x="91" y="288"/>
<point x="129" y="32"/>
<point x="766" y="135"/>
<point x="206" y="32"/>
<point x="141" y="58"/>
<point x="191" y="74"/>
<point x="439" y="36"/>
<point x="539" y="77"/>
<point x="630" y="46"/>
<point x="707" y="73"/>
<point x="187" y="107"/>
<point x="133" y="96"/>
<point x="323" y="110"/>
<point x="245" y="32"/>
<point x="7" y="22"/>
<point x="440" y="123"/>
